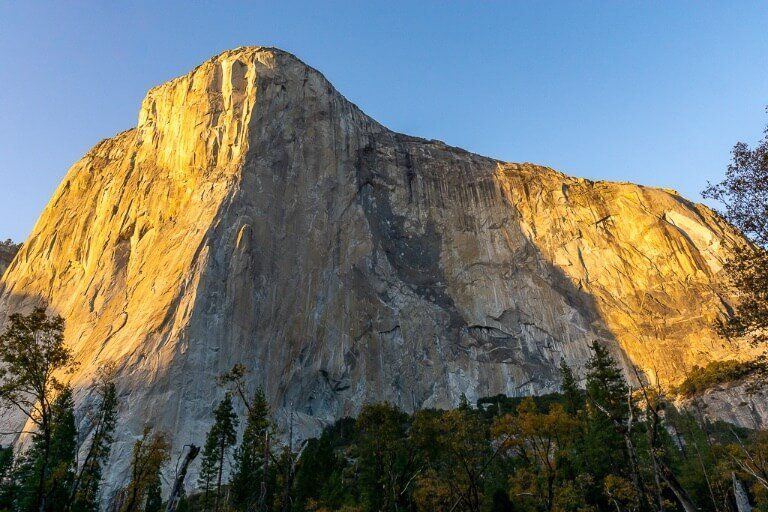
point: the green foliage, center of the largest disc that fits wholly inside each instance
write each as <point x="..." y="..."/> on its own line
<point x="576" y="451"/>
<point x="718" y="372"/>
<point x="85" y="491"/>
<point x="8" y="250"/>
<point x="492" y="406"/>
<point x="31" y="351"/>
<point x="221" y="438"/>
<point x="540" y="441"/>
<point x="7" y="481"/>
<point x="455" y="451"/>
<point x="744" y="193"/>
<point x="251" y="456"/>
<point x="606" y="387"/>
<point x="63" y="450"/>
<point x="384" y="460"/>
<point x="573" y="397"/>
<point x="605" y="448"/>
<point x="602" y="446"/>
<point x="51" y="459"/>
<point x="32" y="355"/>
<point x="320" y="474"/>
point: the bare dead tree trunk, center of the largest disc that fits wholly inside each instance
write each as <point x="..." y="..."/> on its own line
<point x="265" y="475"/>
<point x="680" y="493"/>
<point x="637" y="482"/>
<point x="740" y="495"/>
<point x="626" y="432"/>
<point x="660" y="467"/>
<point x="178" y="484"/>
<point x="290" y="467"/>
<point x="218" y="477"/>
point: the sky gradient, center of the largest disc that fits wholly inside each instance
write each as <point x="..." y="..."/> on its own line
<point x="655" y="93"/>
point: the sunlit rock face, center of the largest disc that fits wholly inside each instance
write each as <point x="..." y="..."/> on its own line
<point x="256" y="216"/>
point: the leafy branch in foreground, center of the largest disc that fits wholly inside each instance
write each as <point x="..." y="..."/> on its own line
<point x="32" y="355"/>
<point x="744" y="193"/>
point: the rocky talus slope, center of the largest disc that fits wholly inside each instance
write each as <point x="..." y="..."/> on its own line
<point x="256" y="216"/>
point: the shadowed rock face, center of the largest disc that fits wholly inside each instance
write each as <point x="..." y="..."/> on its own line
<point x="256" y="216"/>
<point x="743" y="403"/>
<point x="7" y="251"/>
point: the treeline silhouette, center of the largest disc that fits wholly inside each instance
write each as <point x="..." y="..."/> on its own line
<point x="603" y="446"/>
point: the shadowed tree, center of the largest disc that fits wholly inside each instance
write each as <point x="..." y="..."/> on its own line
<point x="84" y="495"/>
<point x="385" y="462"/>
<point x="744" y="194"/>
<point x="59" y="462"/>
<point x="221" y="438"/>
<point x="32" y="354"/>
<point x="455" y="451"/>
<point x="251" y="456"/>
<point x="573" y="397"/>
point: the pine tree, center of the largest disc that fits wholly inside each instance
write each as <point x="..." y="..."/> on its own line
<point x="85" y="491"/>
<point x="603" y="449"/>
<point x="606" y="387"/>
<point x="62" y="459"/>
<point x="221" y="438"/>
<point x="57" y="459"/>
<point x="573" y="398"/>
<point x="249" y="464"/>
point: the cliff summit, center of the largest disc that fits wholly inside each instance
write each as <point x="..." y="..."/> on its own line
<point x="256" y="216"/>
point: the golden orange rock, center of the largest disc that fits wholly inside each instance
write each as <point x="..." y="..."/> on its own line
<point x="256" y="216"/>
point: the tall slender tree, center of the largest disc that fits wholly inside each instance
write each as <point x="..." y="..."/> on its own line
<point x="250" y="458"/>
<point x="58" y="459"/>
<point x="573" y="398"/>
<point x="84" y="495"/>
<point x="606" y="443"/>
<point x="221" y="438"/>
<point x="62" y="461"/>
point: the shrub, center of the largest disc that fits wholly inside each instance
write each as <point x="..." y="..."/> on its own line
<point x="717" y="372"/>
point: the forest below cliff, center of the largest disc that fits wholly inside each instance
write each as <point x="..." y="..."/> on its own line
<point x="605" y="445"/>
<point x="602" y="444"/>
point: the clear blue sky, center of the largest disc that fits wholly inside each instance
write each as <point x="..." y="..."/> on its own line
<point x="650" y="92"/>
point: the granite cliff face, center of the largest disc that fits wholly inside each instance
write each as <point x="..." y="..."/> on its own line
<point x="256" y="216"/>
<point x="7" y="251"/>
<point x="743" y="403"/>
